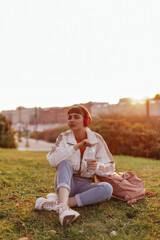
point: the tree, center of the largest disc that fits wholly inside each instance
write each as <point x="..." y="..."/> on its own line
<point x="6" y="133"/>
<point x="157" y="97"/>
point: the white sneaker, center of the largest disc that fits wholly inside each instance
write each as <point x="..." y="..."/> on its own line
<point x="46" y="204"/>
<point x="66" y="214"/>
<point x="52" y="197"/>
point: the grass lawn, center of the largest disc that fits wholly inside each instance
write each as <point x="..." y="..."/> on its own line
<point x="25" y="176"/>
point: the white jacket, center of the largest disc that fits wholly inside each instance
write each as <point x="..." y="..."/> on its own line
<point x="64" y="150"/>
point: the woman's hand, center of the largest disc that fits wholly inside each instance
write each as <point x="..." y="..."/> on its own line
<point x="92" y="164"/>
<point x="84" y="143"/>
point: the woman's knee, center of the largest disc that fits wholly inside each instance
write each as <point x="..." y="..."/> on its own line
<point x="65" y="167"/>
<point x="64" y="164"/>
<point x="105" y="189"/>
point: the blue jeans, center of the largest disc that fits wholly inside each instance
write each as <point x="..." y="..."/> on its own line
<point x="84" y="190"/>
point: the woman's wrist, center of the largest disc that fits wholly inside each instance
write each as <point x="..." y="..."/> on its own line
<point x="77" y="146"/>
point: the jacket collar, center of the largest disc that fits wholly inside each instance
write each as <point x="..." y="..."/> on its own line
<point x="90" y="135"/>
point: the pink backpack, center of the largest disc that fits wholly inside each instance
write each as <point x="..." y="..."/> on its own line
<point x="126" y="186"/>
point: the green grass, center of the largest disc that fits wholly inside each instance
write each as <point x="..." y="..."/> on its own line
<point x="25" y="176"/>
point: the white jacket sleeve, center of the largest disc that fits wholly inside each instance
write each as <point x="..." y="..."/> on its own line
<point x="106" y="164"/>
<point x="60" y="152"/>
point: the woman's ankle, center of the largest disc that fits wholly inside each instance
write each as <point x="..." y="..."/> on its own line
<point x="72" y="202"/>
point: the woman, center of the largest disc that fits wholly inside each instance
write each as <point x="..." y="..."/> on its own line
<point x="74" y="185"/>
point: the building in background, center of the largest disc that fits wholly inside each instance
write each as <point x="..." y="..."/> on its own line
<point x="43" y="118"/>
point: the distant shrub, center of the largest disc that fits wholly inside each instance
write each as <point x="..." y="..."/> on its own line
<point x="154" y="120"/>
<point x="6" y="133"/>
<point x="49" y="135"/>
<point x="124" y="138"/>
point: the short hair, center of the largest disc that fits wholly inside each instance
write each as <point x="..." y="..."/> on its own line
<point x="77" y="109"/>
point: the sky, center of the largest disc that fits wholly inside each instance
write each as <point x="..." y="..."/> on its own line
<point x="60" y="53"/>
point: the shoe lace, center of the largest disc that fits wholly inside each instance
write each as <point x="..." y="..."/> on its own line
<point x="49" y="205"/>
<point x="62" y="207"/>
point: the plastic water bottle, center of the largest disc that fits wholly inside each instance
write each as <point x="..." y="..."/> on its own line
<point x="90" y="156"/>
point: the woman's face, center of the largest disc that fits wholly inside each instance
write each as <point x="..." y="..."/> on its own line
<point x="75" y="121"/>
